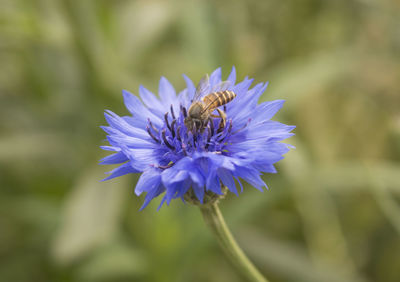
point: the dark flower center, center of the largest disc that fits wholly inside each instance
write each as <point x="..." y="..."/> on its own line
<point x="179" y="141"/>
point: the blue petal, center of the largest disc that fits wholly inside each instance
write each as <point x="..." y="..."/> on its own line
<point x="121" y="170"/>
<point x="148" y="181"/>
<point x="114" y="159"/>
<point x="264" y="167"/>
<point x="151" y="195"/>
<point x="151" y="101"/>
<point x="110" y="148"/>
<point x="242" y="108"/>
<point x="209" y="168"/>
<point x="232" y="76"/>
<point x="171" y="192"/>
<point x="191" y="89"/>
<point x="197" y="177"/>
<point x="162" y="202"/>
<point x="242" y="87"/>
<point x="226" y="178"/>
<point x="121" y="125"/>
<point x="240" y="183"/>
<point x="185" y="185"/>
<point x="269" y="129"/>
<point x="172" y="175"/>
<point x="135" y="143"/>
<point x="110" y="130"/>
<point x="267" y="110"/>
<point x="219" y="160"/>
<point x="139" y="111"/>
<point x="251" y="176"/>
<point x="135" y="122"/>
<point x="254" y="149"/>
<point x="249" y="99"/>
<point x="185" y="99"/>
<point x="199" y="192"/>
<point x="213" y="184"/>
<point x="193" y="170"/>
<point x="141" y="159"/>
<point x="177" y="189"/>
<point x="167" y="93"/>
<point x="215" y="77"/>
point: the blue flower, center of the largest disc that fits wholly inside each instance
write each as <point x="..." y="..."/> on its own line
<point x="155" y="141"/>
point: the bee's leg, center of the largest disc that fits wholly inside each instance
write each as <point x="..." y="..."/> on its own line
<point x="205" y="123"/>
<point x="222" y="123"/>
<point x="202" y="125"/>
<point x="211" y="122"/>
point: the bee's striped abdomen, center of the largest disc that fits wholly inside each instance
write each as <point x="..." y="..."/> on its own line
<point x="217" y="99"/>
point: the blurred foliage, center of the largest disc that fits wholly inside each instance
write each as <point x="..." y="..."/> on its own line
<point x="332" y="212"/>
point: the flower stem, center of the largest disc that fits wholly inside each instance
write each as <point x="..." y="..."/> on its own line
<point x="215" y="221"/>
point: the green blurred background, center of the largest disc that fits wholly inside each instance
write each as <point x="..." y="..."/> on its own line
<point x="332" y="212"/>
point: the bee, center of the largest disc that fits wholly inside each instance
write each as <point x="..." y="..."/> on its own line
<point x="201" y="110"/>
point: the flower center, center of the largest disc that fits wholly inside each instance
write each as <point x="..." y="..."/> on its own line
<point x="178" y="141"/>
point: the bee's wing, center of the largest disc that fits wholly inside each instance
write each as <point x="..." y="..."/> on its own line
<point x="222" y="86"/>
<point x="202" y="87"/>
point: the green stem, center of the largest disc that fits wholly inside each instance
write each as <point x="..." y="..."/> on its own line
<point x="214" y="219"/>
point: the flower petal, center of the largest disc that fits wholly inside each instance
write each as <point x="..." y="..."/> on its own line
<point x="133" y="142"/>
<point x="251" y="176"/>
<point x="151" y="101"/>
<point x="167" y="93"/>
<point x="140" y="112"/>
<point x="226" y="178"/>
<point x="215" y="77"/>
<point x="118" y="123"/>
<point x="110" y="148"/>
<point x="151" y="195"/>
<point x="191" y="89"/>
<point x="148" y="181"/>
<point x="141" y="159"/>
<point x="116" y="158"/>
<point x="266" y="110"/>
<point x="199" y="192"/>
<point x="188" y="165"/>
<point x="232" y="76"/>
<point x="121" y="170"/>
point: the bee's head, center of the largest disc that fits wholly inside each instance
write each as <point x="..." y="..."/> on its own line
<point x="194" y="117"/>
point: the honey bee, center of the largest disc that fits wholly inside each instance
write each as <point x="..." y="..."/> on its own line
<point x="201" y="109"/>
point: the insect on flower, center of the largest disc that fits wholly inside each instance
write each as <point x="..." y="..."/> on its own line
<point x="185" y="150"/>
<point x="200" y="111"/>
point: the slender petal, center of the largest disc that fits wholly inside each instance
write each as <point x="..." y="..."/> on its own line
<point x="122" y="170"/>
<point x="151" y="102"/>
<point x="114" y="159"/>
<point x="167" y="93"/>
<point x="148" y="181"/>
